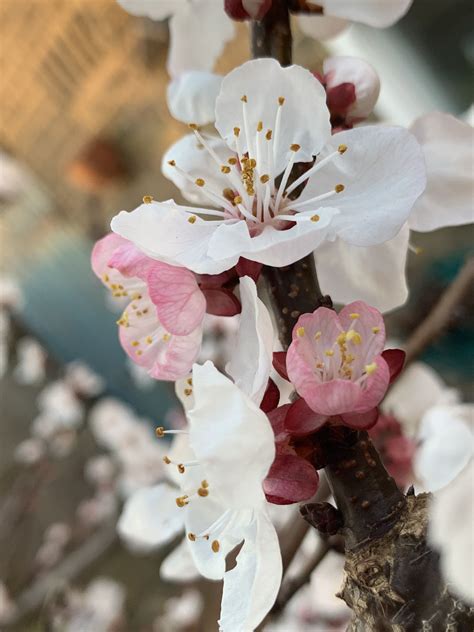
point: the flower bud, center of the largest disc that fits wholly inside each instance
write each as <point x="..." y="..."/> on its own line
<point x="247" y="9"/>
<point x="352" y="88"/>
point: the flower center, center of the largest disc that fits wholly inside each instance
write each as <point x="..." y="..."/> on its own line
<point x="253" y="194"/>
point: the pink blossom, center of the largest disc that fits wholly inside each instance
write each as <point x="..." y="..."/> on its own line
<point x="161" y="328"/>
<point x="335" y="361"/>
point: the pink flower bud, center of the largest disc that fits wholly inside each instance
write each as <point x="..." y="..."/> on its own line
<point x="352" y="88"/>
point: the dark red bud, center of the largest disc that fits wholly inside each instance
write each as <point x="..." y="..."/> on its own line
<point x="323" y="517"/>
<point x="220" y="302"/>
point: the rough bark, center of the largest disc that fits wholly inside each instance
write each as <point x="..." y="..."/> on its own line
<point x="392" y="576"/>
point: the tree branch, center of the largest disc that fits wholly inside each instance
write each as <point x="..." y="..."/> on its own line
<point x="441" y="314"/>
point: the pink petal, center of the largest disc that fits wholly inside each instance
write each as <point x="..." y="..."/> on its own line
<point x="130" y="261"/>
<point x="102" y="251"/>
<point x="332" y="398"/>
<point x="271" y="398"/>
<point x="291" y="479"/>
<point x="301" y="420"/>
<point x="375" y="388"/>
<point x="245" y="267"/>
<point x="221" y="302"/>
<point x="361" y="421"/>
<point x="395" y="358"/>
<point x="150" y="345"/>
<point x="180" y="304"/>
<point x="279" y="364"/>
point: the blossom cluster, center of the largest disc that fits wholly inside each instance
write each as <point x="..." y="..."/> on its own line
<point x="282" y="173"/>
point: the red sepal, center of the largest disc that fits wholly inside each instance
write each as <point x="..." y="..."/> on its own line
<point x="271" y="398"/>
<point x="395" y="358"/>
<point x="301" y="420"/>
<point x="279" y="364"/>
<point x="245" y="267"/>
<point x="290" y="479"/>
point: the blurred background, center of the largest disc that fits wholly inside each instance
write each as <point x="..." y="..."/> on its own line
<point x="83" y="127"/>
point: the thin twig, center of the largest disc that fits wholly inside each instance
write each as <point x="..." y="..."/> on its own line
<point x="440" y="315"/>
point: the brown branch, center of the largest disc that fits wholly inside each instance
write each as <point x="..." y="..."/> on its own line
<point x="441" y="314"/>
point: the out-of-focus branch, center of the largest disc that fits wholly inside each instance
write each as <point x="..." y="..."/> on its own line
<point x="441" y="314"/>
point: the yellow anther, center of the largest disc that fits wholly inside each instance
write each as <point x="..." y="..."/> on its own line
<point x="149" y="340"/>
<point x="172" y="163"/>
<point x="354" y="316"/>
<point x="181" y="468"/>
<point x="135" y="343"/>
<point x="370" y="368"/>
<point x="236" y="132"/>
<point x="252" y="163"/>
<point x="166" y="460"/>
<point x="329" y="353"/>
<point x="200" y="182"/>
<point x="342" y="149"/>
<point x="190" y="381"/>
<point x="139" y="353"/>
<point x="259" y="126"/>
<point x="105" y="278"/>
<point x="147" y="199"/>
<point x="317" y="335"/>
<point x="244" y="98"/>
<point x="300" y="332"/>
<point x="295" y="147"/>
<point x="188" y="391"/>
<point x="193" y="126"/>
<point x="215" y="546"/>
<point x="192" y="219"/>
<point x="281" y="100"/>
<point x="265" y="178"/>
<point x="203" y="492"/>
<point x="232" y="161"/>
<point x="191" y="537"/>
<point x="339" y="188"/>
<point x="166" y="337"/>
<point x="160" y="432"/>
<point x="354" y="337"/>
<point x="238" y="199"/>
<point x="204" y="484"/>
<point x="269" y="134"/>
<point x="315" y="218"/>
<point x="225" y="169"/>
<point x="375" y="330"/>
<point x="341" y="339"/>
<point x="182" y="501"/>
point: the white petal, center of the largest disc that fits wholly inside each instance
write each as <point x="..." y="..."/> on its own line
<point x="231" y="437"/>
<point x="383" y="172"/>
<point x="304" y="116"/>
<point x="162" y="231"/>
<point x="380" y="14"/>
<point x="198" y="34"/>
<point x="374" y="274"/>
<point x="416" y="391"/>
<point x="251" y="363"/>
<point x="321" y="27"/>
<point x="447" y="145"/>
<point x="154" y="9"/>
<point x="192" y="158"/>
<point x="273" y="247"/>
<point x="338" y="70"/>
<point x="251" y="587"/>
<point x="150" y="517"/>
<point x="201" y="517"/>
<point x="179" y="565"/>
<point x="447" y="445"/>
<point x="452" y="517"/>
<point x="192" y="96"/>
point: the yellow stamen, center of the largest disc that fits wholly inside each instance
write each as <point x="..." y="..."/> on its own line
<point x="172" y="163"/>
<point x="193" y="126"/>
<point x="188" y="391"/>
<point x="182" y="501"/>
<point x="192" y="537"/>
<point x="317" y="335"/>
<point x="200" y="182"/>
<point x="370" y="368"/>
<point x="192" y="219"/>
<point x="315" y="218"/>
<point x="268" y="135"/>
<point x="265" y="178"/>
<point x="203" y="492"/>
<point x="259" y="126"/>
<point x="181" y="468"/>
<point x="354" y="337"/>
<point x="160" y="431"/>
<point x="215" y="546"/>
<point x="329" y="353"/>
<point x="232" y="161"/>
<point x="225" y="169"/>
<point x="166" y="460"/>
<point x="339" y="188"/>
<point x="135" y="343"/>
<point x="342" y="149"/>
<point x="237" y="131"/>
<point x="375" y="330"/>
<point x="295" y="147"/>
<point x="244" y="98"/>
<point x="281" y="100"/>
<point x="238" y="199"/>
<point x="147" y="199"/>
<point x="354" y="316"/>
<point x="300" y="332"/>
